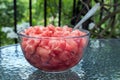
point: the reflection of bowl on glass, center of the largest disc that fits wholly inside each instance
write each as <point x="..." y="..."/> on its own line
<point x="69" y="75"/>
<point x="53" y="49"/>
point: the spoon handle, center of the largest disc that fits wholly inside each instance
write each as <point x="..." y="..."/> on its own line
<point x="88" y="15"/>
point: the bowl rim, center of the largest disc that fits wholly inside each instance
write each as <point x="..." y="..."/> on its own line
<point x="19" y="33"/>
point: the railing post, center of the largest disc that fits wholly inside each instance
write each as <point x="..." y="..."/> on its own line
<point x="15" y="18"/>
<point x="59" y="21"/>
<point x="45" y="12"/>
<point x="30" y="12"/>
<point x="74" y="6"/>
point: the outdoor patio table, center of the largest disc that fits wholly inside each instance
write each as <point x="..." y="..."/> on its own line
<point x="101" y="61"/>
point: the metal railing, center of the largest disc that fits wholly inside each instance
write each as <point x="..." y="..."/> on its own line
<point x="45" y="13"/>
<point x="107" y="16"/>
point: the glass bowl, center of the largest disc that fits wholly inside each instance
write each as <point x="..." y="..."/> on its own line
<point x="53" y="54"/>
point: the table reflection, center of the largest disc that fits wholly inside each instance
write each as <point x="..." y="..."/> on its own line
<point x="69" y="75"/>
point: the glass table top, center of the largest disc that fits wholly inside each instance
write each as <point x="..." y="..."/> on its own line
<point x="101" y="61"/>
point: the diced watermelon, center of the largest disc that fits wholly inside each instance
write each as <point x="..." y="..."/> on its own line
<point x="73" y="44"/>
<point x="57" y="34"/>
<point x="51" y="28"/>
<point x="50" y="50"/>
<point x="44" y="54"/>
<point x="44" y="42"/>
<point x="24" y="44"/>
<point x="66" y="28"/>
<point x="64" y="56"/>
<point x="30" y="49"/>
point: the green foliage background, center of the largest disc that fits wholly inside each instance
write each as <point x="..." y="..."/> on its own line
<point x="104" y="30"/>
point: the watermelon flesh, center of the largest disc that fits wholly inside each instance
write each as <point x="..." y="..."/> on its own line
<point x="53" y="48"/>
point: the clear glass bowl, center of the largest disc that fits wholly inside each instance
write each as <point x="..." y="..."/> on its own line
<point x="58" y="54"/>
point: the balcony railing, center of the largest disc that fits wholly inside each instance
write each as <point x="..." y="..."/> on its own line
<point x="108" y="16"/>
<point x="45" y="13"/>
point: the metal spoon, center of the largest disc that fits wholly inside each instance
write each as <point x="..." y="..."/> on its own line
<point x="87" y="16"/>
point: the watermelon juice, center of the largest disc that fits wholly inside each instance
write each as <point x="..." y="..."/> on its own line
<point x="51" y="48"/>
